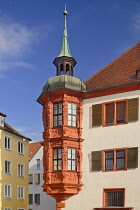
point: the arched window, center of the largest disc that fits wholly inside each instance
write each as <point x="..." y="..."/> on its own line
<point x="61" y="69"/>
<point x="67" y="69"/>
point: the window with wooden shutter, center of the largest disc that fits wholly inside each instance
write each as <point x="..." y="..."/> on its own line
<point x="133" y="109"/>
<point x="97" y="115"/>
<point x="37" y="178"/>
<point x="132" y="157"/>
<point x="96" y="160"/>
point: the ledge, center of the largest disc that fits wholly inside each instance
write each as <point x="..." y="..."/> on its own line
<point x="114" y="208"/>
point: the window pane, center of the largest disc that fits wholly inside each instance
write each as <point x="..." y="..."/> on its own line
<point x="73" y="168"/>
<point x="120" y="163"/>
<point x="120" y="118"/>
<point x="120" y="154"/>
<point x="109" y="114"/>
<point x="109" y="164"/>
<point x="109" y="154"/>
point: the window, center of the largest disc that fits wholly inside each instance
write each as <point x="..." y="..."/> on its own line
<point x="57" y="159"/>
<point x="37" y="178"/>
<point x="38" y="164"/>
<point x="7" y="143"/>
<point x="57" y="114"/>
<point x="7" y="208"/>
<point x="115" y="159"/>
<point x="8" y="166"/>
<point x="7" y="190"/>
<point x="30" y="178"/>
<point x="20" y="170"/>
<point x="2" y="121"/>
<point x="71" y="159"/>
<point x="20" y="147"/>
<point x="72" y="109"/>
<point x="20" y="192"/>
<point x="37" y="199"/>
<point x="114" y="197"/>
<point x="115" y="113"/>
<point x="30" y="199"/>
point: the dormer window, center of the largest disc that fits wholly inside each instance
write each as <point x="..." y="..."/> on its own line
<point x="138" y="74"/>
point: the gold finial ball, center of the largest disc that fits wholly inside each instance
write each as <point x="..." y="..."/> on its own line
<point x="65" y="12"/>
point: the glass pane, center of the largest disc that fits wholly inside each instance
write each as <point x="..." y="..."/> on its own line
<point x="109" y="114"/>
<point x="54" y="156"/>
<point x="74" y="111"/>
<point x="69" y="155"/>
<point x="74" y="106"/>
<point x="69" y="105"/>
<point x="74" y="124"/>
<point x="73" y="162"/>
<point x="55" y="111"/>
<point x="60" y="105"/>
<point x="59" y="117"/>
<point x="59" y="156"/>
<point x="120" y="112"/>
<point x="69" y="167"/>
<point x="120" y="153"/>
<point x="69" y="123"/>
<point x="109" y="164"/>
<point x="55" y="162"/>
<point x="69" y="111"/>
<point x="109" y="154"/>
<point x="69" y="151"/>
<point x="74" y="118"/>
<point x="55" y="106"/>
<point x="69" y="117"/>
<point x="69" y="162"/>
<point x="120" y="163"/>
<point x="55" y="167"/>
<point x="73" y="168"/>
<point x="59" y="111"/>
<point x="60" y="123"/>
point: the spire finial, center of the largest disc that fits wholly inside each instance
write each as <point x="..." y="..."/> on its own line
<point x="65" y="50"/>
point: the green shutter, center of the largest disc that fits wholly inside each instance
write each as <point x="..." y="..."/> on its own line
<point x="133" y="109"/>
<point x="97" y="115"/>
<point x="96" y="160"/>
<point x="132" y="157"/>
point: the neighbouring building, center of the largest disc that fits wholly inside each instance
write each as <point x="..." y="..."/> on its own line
<point x="13" y="168"/>
<point x="38" y="200"/>
<point x="91" y="134"/>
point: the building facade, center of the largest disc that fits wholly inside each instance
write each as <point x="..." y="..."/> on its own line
<point x="13" y="168"/>
<point x="91" y="134"/>
<point x="37" y="198"/>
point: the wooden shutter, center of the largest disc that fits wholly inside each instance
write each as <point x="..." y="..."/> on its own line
<point x="96" y="160"/>
<point x="97" y="115"/>
<point x="133" y="109"/>
<point x="132" y="157"/>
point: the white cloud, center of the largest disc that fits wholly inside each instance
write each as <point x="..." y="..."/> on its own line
<point x="16" y="40"/>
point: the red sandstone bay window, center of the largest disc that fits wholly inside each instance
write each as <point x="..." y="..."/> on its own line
<point x="115" y="159"/>
<point x="114" y="197"/>
<point x="115" y="113"/>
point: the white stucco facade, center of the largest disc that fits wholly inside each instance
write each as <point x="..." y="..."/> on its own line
<point x="102" y="138"/>
<point x="46" y="201"/>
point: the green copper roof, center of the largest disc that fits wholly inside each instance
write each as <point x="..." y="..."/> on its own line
<point x="64" y="82"/>
<point x="65" y="50"/>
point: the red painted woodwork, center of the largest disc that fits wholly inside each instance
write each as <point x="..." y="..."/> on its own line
<point x="61" y="184"/>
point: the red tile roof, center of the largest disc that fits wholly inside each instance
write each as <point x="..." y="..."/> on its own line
<point x="120" y="72"/>
<point x="33" y="148"/>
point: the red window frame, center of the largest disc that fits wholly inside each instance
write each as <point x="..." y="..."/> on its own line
<point x="115" y="158"/>
<point x="114" y="113"/>
<point x="105" y="196"/>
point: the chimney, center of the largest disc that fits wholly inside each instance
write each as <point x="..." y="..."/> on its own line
<point x="2" y="119"/>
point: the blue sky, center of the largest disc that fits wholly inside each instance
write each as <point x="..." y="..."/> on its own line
<point x="30" y="38"/>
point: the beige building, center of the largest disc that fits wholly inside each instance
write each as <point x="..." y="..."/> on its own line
<point x="13" y="168"/>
